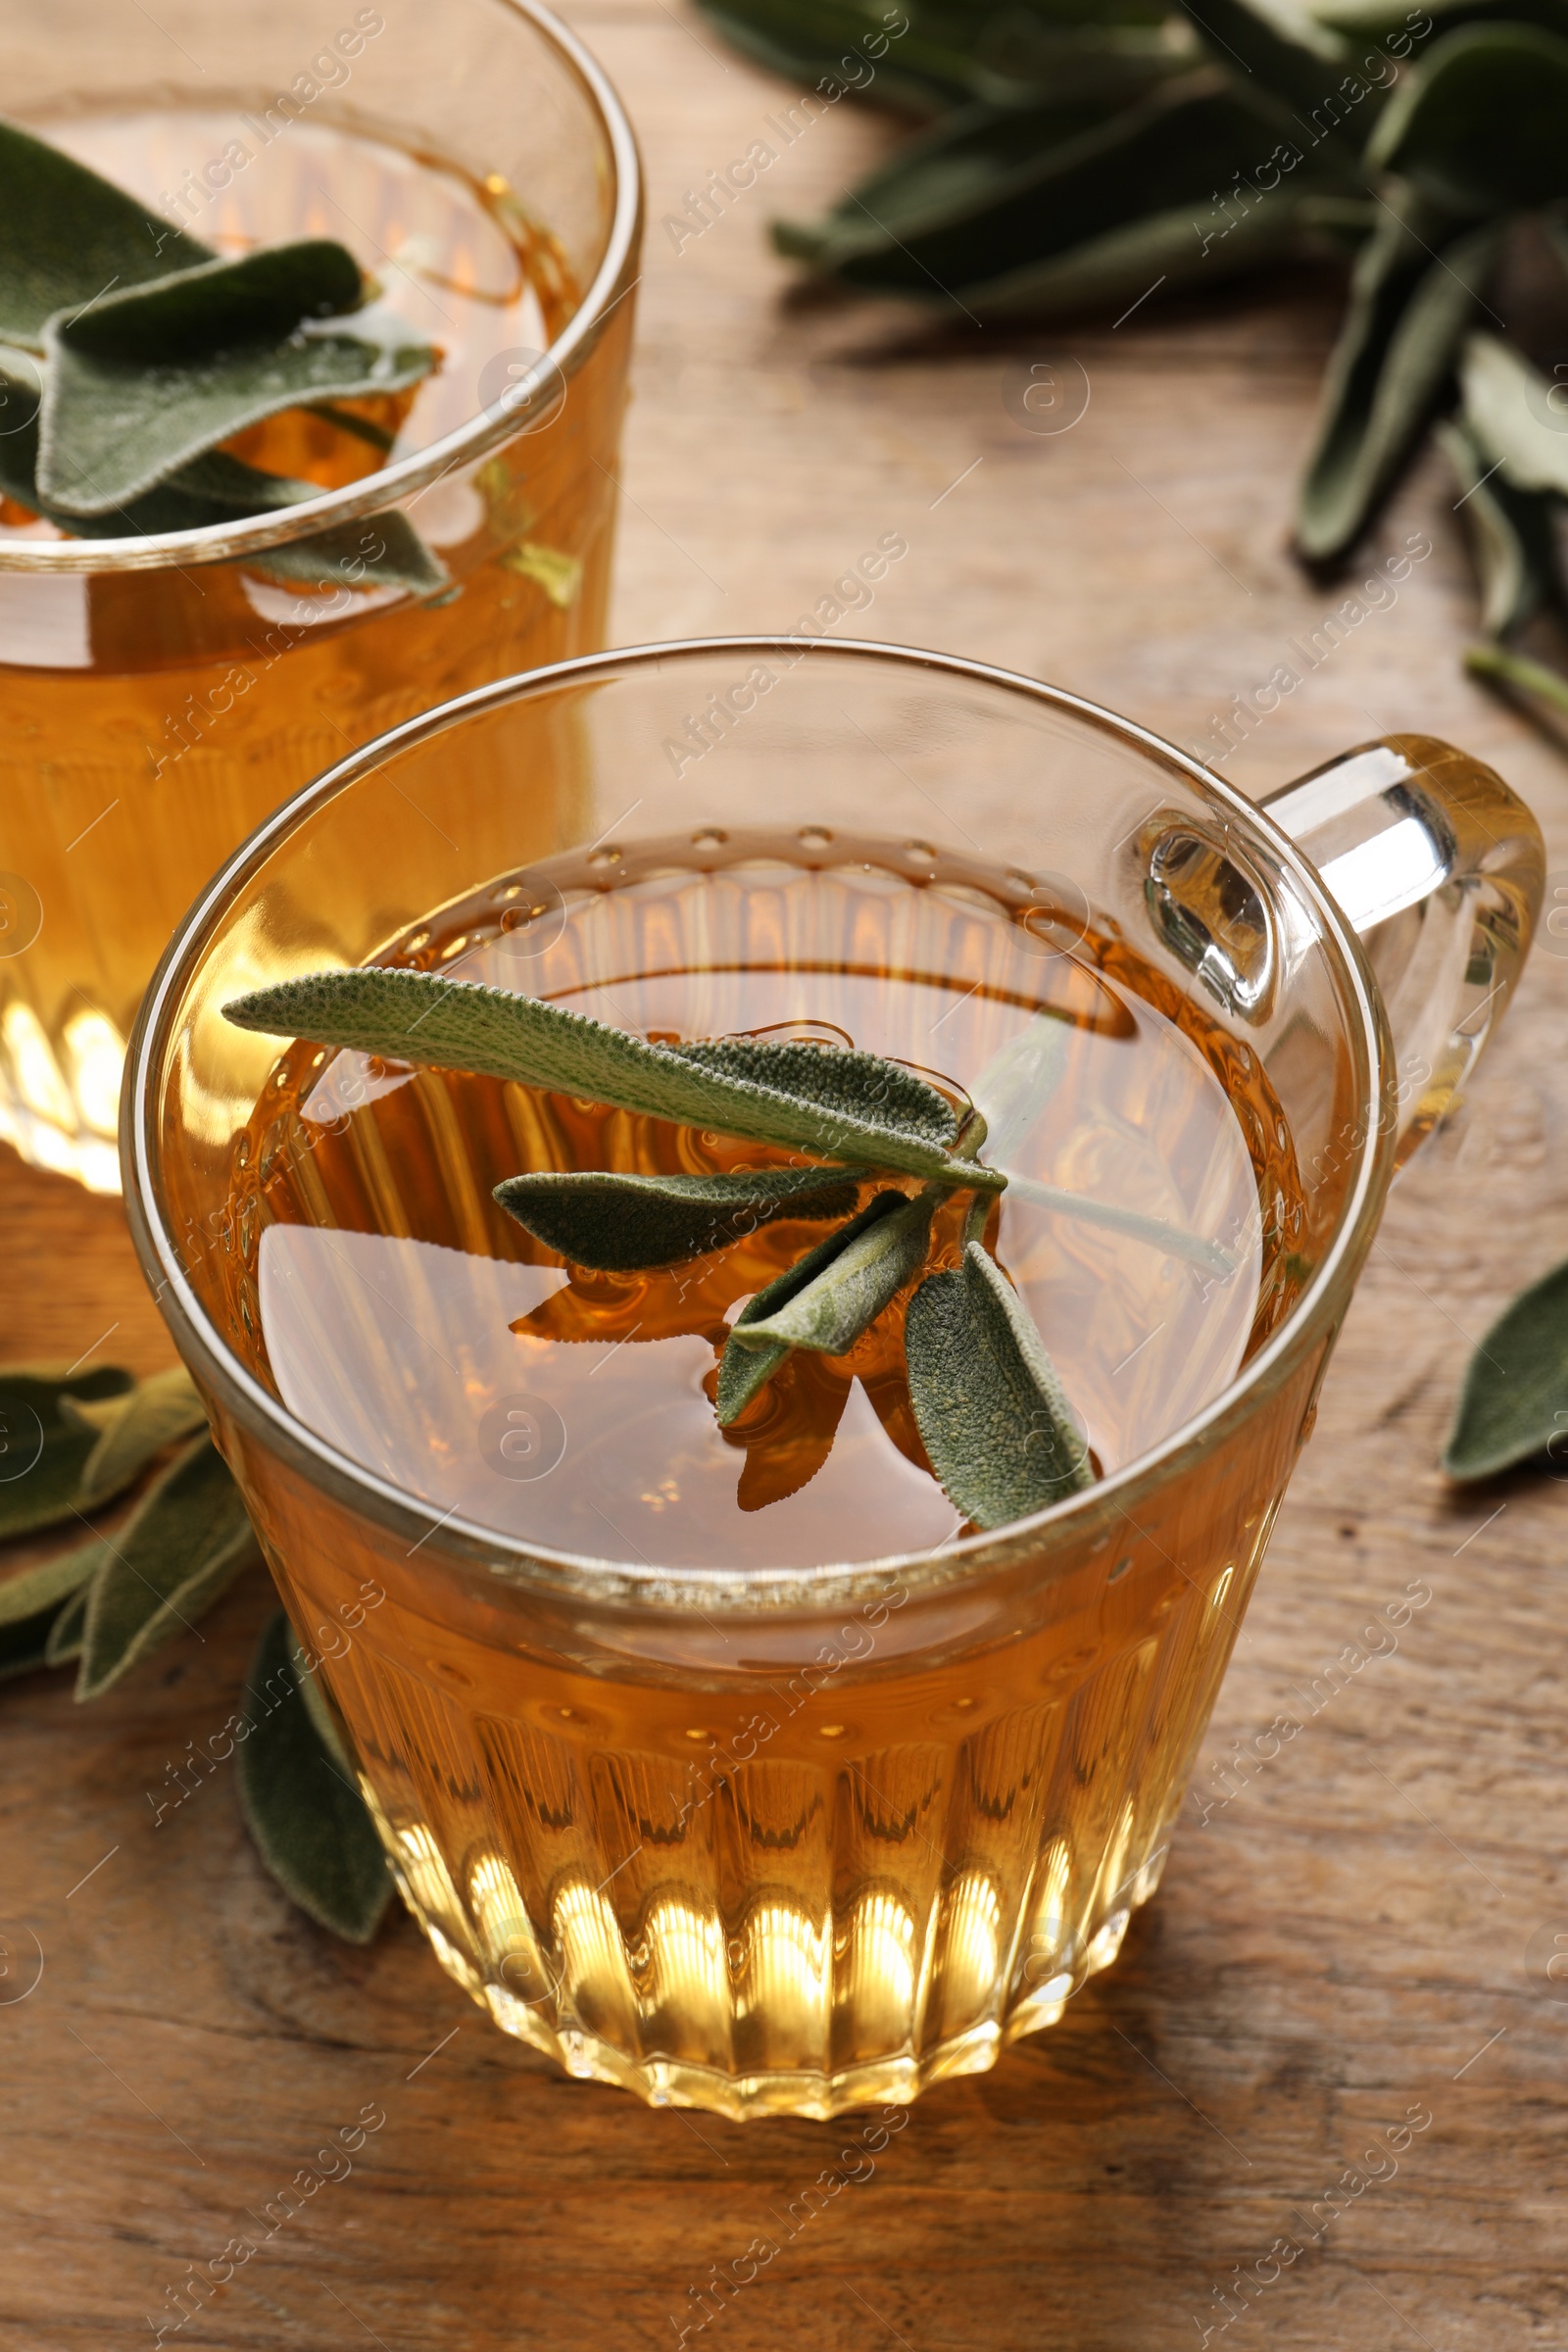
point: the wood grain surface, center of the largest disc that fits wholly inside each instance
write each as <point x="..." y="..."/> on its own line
<point x="1341" y="1943"/>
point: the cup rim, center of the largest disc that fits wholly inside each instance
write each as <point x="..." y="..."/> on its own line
<point x="488" y="429"/>
<point x="581" y="1576"/>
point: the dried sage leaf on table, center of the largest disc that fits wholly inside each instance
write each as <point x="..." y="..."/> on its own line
<point x="1414" y="292"/>
<point x="42" y="1455"/>
<point x="182" y="1545"/>
<point x="71" y="237"/>
<point x="27" y="1643"/>
<point x="1511" y="533"/>
<point x="617" y="1223"/>
<point x="142" y="381"/>
<point x="990" y="1408"/>
<point x="308" y="1822"/>
<point x="1514" y="1403"/>
<point x="805" y="1098"/>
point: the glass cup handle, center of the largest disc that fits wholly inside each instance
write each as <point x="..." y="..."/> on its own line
<point x="1441" y="868"/>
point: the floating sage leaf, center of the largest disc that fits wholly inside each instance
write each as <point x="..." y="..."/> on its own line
<point x="142" y="381"/>
<point x="1511" y="533"/>
<point x="154" y="1415"/>
<point x="1514" y="1401"/>
<point x="379" y="551"/>
<point x="746" y="1365"/>
<point x="617" y="1223"/>
<point x="42" y="1455"/>
<point x="46" y="1584"/>
<point x="868" y="1270"/>
<point x="1509" y="407"/>
<point x="1413" y="294"/>
<point x="1479" y="123"/>
<point x="71" y="237"/>
<point x="849" y="1104"/>
<point x="310" y="1824"/>
<point x="991" y="1413"/>
<point x="184" y="1543"/>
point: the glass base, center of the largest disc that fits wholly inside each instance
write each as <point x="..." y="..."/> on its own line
<point x="897" y="2079"/>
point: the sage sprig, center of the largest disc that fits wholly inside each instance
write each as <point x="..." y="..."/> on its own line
<point x="1099" y="158"/>
<point x="70" y="1443"/>
<point x="1514" y="1401"/>
<point x="131" y="351"/>
<point x="1001" y="1437"/>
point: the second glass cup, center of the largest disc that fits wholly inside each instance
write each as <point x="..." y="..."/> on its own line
<point x="789" y="1795"/>
<point x="163" y="694"/>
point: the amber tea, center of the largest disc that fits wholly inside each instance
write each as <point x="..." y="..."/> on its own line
<point x="157" y="715"/>
<point x="821" y="1895"/>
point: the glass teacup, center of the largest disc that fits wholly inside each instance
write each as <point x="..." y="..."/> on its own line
<point x="756" y="1831"/>
<point x="163" y="693"/>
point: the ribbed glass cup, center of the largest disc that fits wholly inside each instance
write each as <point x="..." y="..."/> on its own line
<point x="783" y="1840"/>
<point x="162" y="697"/>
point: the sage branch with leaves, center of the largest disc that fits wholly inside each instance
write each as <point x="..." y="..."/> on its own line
<point x="130" y="353"/>
<point x="1101" y="153"/>
<point x="74" y="1446"/>
<point x="998" y="1429"/>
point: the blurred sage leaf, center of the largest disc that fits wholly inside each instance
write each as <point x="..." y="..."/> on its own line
<point x="44" y="1586"/>
<point x="1514" y="1401"/>
<point x="1478" y="123"/>
<point x="69" y="1625"/>
<point x="1414" y="291"/>
<point x="42" y="1455"/>
<point x="1497" y="666"/>
<point x="25" y="1641"/>
<point x="144" y="379"/>
<point x="836" y="1101"/>
<point x="318" y="1707"/>
<point x="1082" y="220"/>
<point x="308" y="1822"/>
<point x="1511" y="535"/>
<point x="1287" y="52"/>
<point x="991" y="1410"/>
<point x="746" y="1365"/>
<point x="134" y="1429"/>
<point x="1519" y="421"/>
<point x="181" y="1547"/>
<point x="71" y="237"/>
<point x="618" y="1223"/>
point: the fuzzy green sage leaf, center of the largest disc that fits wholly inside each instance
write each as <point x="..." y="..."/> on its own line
<point x="1514" y="1401"/>
<point x="142" y="381"/>
<point x="44" y="1453"/>
<point x="69" y="237"/>
<point x="617" y="1223"/>
<point x="752" y="1356"/>
<point x="182" y="1545"/>
<point x="134" y="1429"/>
<point x="310" y="1824"/>
<point x="990" y="1408"/>
<point x="1509" y="407"/>
<point x="840" y="1102"/>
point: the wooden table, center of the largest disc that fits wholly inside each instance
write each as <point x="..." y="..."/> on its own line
<point x="1342" y="1943"/>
